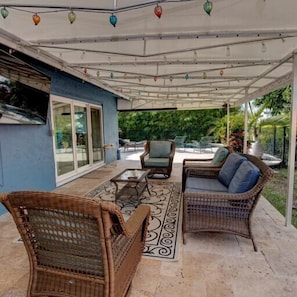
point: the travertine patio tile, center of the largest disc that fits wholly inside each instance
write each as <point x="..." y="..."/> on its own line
<point x="213" y="242"/>
<point x="14" y="293"/>
<point x="178" y="286"/>
<point x="283" y="263"/>
<point x="137" y="293"/>
<point x="263" y="286"/>
<point x="172" y="268"/>
<point x="13" y="277"/>
<point x="147" y="276"/>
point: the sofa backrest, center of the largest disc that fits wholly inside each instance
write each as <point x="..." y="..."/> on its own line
<point x="229" y="168"/>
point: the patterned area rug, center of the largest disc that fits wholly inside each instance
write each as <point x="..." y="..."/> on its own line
<point x="165" y="202"/>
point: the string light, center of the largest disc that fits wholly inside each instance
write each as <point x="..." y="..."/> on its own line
<point x="113" y="20"/>
<point x="207" y="7"/>
<point x="4" y="12"/>
<point x="71" y="17"/>
<point x="36" y="19"/>
<point x="263" y="48"/>
<point x="158" y="11"/>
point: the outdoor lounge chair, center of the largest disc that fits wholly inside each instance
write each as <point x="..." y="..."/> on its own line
<point x="180" y="141"/>
<point x="134" y="145"/>
<point x="77" y="246"/>
<point x="158" y="157"/>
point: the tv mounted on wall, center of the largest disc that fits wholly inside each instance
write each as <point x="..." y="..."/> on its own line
<point x="24" y="97"/>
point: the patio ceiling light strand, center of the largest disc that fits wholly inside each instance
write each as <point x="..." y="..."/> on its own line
<point x="158" y="10"/>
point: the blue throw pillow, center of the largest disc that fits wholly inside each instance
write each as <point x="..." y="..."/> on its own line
<point x="219" y="156"/>
<point x="245" y="178"/>
<point x="230" y="166"/>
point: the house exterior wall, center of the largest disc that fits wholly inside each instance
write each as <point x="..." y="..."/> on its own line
<point x="26" y="151"/>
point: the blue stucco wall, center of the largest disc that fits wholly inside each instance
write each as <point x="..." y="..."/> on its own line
<point x="26" y="158"/>
<point x="26" y="151"/>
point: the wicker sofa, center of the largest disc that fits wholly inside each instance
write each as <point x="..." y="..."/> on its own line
<point x="223" y="199"/>
<point x="77" y="246"/>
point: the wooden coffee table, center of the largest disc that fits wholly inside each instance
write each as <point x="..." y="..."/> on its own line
<point x="135" y="180"/>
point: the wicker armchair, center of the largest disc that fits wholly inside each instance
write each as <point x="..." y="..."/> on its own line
<point x="158" y="157"/>
<point x="222" y="211"/>
<point x="77" y="246"/>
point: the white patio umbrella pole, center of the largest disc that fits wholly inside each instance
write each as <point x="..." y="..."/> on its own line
<point x="245" y="124"/>
<point x="292" y="147"/>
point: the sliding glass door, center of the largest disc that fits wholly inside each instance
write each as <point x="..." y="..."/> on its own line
<point x="96" y="134"/>
<point x="63" y="137"/>
<point x="78" y="137"/>
<point x="81" y="136"/>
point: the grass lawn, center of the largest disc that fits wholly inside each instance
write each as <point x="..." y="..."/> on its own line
<point x="276" y="192"/>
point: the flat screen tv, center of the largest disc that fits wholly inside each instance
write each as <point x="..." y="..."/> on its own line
<point x="22" y="104"/>
<point x="24" y="91"/>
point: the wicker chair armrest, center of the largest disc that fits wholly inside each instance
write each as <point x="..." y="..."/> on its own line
<point x="141" y="215"/>
<point x="144" y="156"/>
<point x="203" y="172"/>
<point x="138" y="220"/>
<point x="185" y="161"/>
<point x="128" y="228"/>
<point x="171" y="155"/>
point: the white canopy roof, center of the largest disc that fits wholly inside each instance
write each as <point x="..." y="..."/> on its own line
<point x="186" y="59"/>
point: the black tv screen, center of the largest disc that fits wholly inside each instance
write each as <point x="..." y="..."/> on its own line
<point x="24" y="91"/>
<point x="22" y="104"/>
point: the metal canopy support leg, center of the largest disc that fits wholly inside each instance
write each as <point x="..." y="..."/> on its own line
<point x="292" y="148"/>
<point x="246" y="131"/>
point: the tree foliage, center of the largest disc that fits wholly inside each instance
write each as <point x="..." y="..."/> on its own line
<point x="277" y="102"/>
<point x="167" y="124"/>
<point x="198" y="123"/>
<point x="236" y="124"/>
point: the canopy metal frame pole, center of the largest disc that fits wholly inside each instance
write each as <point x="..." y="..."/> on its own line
<point x="292" y="146"/>
<point x="246" y="132"/>
<point x="228" y="124"/>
